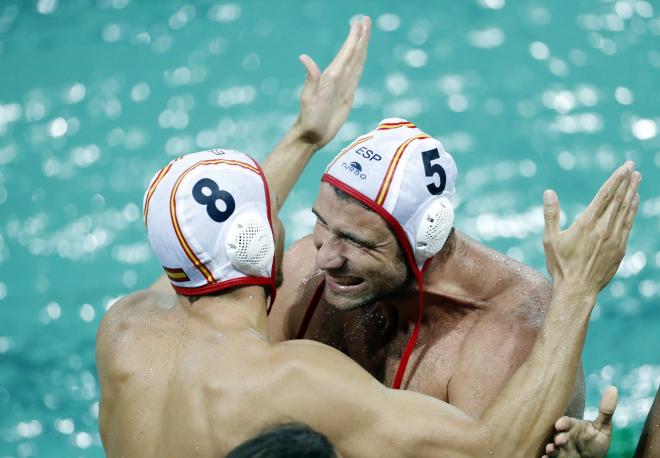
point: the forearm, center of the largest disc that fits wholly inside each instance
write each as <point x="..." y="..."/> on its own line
<point x="522" y="414"/>
<point x="575" y="407"/>
<point x="649" y="441"/>
<point x="286" y="162"/>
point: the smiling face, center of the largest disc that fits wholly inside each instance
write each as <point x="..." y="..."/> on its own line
<point x="361" y="257"/>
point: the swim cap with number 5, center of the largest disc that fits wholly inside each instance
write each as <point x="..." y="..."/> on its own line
<point x="407" y="177"/>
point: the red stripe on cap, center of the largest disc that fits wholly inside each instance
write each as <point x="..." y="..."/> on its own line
<point x="175" y="222"/>
<point x="396" y="125"/>
<point x="217" y="286"/>
<point x="159" y="177"/>
<point x="394" y="163"/>
<point x="243" y="281"/>
<point x="348" y="148"/>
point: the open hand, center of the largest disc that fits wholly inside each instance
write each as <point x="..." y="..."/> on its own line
<point x="588" y="253"/>
<point x="327" y="97"/>
<point x="585" y="439"/>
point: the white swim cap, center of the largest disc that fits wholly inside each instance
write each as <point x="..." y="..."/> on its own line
<point x="208" y="220"/>
<point x="407" y="177"/>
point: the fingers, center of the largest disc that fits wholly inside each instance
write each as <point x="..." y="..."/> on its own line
<point x="313" y="77"/>
<point x="601" y="202"/>
<point x="353" y="70"/>
<point x="550" y="214"/>
<point x="549" y="450"/>
<point x="628" y="200"/>
<point x="561" y="439"/>
<point x="565" y="423"/>
<point x="628" y="221"/>
<point x="313" y="71"/>
<point x="346" y="51"/>
<point x="606" y="408"/>
<point x="618" y="201"/>
<point x="357" y="63"/>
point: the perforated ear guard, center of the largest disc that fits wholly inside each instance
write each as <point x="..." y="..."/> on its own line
<point x="249" y="244"/>
<point x="434" y="228"/>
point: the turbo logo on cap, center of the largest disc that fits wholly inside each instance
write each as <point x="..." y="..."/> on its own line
<point x="399" y="170"/>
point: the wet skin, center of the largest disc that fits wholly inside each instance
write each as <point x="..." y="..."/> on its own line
<point x="482" y="309"/>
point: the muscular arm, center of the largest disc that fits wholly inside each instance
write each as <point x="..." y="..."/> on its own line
<point x="581" y="261"/>
<point x="325" y="101"/>
<point x="361" y="416"/>
<point x="496" y="347"/>
<point x="649" y="442"/>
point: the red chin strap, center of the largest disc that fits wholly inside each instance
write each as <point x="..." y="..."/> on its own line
<point x="410" y="346"/>
<point x="410" y="257"/>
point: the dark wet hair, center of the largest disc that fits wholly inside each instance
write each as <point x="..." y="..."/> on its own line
<point x="348" y="198"/>
<point x="291" y="440"/>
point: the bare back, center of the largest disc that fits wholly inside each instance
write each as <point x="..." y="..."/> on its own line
<point x="173" y="386"/>
<point x="164" y="376"/>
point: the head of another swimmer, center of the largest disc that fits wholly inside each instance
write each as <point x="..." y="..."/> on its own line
<point x="382" y="213"/>
<point x="292" y="440"/>
<point x="212" y="223"/>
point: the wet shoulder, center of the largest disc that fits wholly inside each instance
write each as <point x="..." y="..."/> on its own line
<point x="518" y="291"/>
<point x="299" y="260"/>
<point x="301" y="279"/>
<point x="128" y="324"/>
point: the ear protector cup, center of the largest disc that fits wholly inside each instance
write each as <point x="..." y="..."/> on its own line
<point x="249" y="244"/>
<point x="434" y="228"/>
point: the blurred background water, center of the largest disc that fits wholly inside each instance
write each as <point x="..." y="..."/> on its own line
<point x="96" y="95"/>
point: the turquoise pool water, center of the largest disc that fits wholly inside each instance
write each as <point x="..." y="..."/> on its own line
<point x="96" y="95"/>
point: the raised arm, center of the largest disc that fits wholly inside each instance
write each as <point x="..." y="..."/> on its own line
<point x="581" y="261"/>
<point x="325" y="101"/>
<point x="363" y="418"/>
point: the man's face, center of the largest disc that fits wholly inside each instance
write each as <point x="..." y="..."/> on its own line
<point x="361" y="257"/>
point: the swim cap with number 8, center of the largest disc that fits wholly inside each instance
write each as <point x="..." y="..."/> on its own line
<point x="208" y="222"/>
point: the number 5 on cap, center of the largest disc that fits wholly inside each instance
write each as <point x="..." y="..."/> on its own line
<point x="434" y="169"/>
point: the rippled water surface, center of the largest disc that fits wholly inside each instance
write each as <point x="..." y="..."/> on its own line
<point x="96" y="95"/>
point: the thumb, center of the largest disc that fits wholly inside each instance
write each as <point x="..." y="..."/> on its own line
<point x="313" y="71"/>
<point x="551" y="213"/>
<point x="607" y="407"/>
<point x="313" y="76"/>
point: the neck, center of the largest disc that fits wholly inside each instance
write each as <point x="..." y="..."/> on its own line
<point x="453" y="275"/>
<point x="241" y="308"/>
<point x="450" y="278"/>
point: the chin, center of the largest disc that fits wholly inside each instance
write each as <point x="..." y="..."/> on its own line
<point x="348" y="303"/>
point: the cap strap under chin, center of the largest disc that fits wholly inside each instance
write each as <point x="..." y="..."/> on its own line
<point x="410" y="346"/>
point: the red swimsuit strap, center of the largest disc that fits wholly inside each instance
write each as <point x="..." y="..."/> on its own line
<point x="403" y="363"/>
<point x="309" y="312"/>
